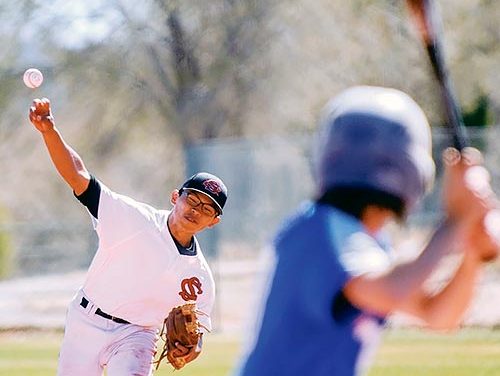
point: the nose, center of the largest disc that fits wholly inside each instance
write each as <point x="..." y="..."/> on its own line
<point x="196" y="210"/>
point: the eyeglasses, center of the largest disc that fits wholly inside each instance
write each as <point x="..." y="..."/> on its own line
<point x="206" y="208"/>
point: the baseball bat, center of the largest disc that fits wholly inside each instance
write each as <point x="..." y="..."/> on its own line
<point x="428" y="22"/>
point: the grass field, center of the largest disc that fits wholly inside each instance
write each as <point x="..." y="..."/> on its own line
<point x="471" y="352"/>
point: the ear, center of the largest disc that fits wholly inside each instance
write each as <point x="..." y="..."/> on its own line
<point x="214" y="221"/>
<point x="174" y="196"/>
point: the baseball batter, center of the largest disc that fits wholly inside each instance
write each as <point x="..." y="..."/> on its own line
<point x="147" y="262"/>
<point x="335" y="280"/>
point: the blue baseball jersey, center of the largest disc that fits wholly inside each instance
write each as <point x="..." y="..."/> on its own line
<point x="306" y="326"/>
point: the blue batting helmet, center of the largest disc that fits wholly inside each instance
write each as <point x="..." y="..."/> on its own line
<point x="376" y="138"/>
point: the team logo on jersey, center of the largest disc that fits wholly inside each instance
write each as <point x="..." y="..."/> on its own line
<point x="190" y="288"/>
<point x="212" y="186"/>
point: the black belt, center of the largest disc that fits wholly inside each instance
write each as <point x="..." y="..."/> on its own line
<point x="84" y="303"/>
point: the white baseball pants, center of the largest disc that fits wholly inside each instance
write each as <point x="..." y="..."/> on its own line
<point x="92" y="343"/>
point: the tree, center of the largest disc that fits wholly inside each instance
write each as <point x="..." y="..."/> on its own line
<point x="195" y="62"/>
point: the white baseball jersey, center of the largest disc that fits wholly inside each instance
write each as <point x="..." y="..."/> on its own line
<point x="138" y="273"/>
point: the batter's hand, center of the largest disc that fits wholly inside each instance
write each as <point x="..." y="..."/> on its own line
<point x="467" y="193"/>
<point x="481" y="237"/>
<point x="41" y="115"/>
<point x="470" y="201"/>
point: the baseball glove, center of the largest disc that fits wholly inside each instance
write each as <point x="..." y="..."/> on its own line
<point x="182" y="336"/>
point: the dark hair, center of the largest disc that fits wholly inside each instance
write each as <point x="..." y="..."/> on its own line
<point x="354" y="200"/>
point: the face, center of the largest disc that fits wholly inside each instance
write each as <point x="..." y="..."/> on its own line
<point x="193" y="211"/>
<point x="375" y="217"/>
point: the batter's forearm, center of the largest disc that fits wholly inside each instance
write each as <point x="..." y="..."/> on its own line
<point x="408" y="278"/>
<point x="397" y="288"/>
<point x="67" y="161"/>
<point x="445" y="309"/>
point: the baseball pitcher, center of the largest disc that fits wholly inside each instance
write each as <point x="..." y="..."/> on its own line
<point x="148" y="272"/>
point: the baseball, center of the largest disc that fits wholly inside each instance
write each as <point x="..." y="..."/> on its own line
<point x="33" y="78"/>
